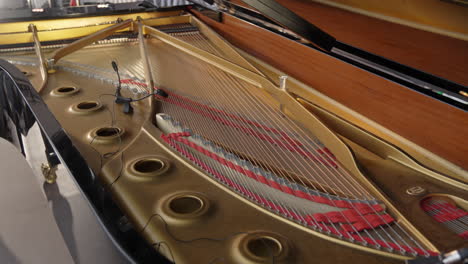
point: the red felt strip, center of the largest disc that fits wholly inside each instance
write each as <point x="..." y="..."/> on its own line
<point x="464" y="235"/>
<point x="359" y="223"/>
<point x="271" y="183"/>
<point x="294" y="147"/>
<point x="443" y="212"/>
<point x="293" y="215"/>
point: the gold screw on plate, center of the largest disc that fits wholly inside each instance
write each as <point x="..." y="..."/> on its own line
<point x="416" y="191"/>
<point x="49" y="173"/>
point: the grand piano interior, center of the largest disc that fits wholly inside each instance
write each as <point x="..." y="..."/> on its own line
<point x="254" y="131"/>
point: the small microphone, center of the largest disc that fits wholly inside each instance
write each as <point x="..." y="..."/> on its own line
<point x="119" y="86"/>
<point x="114" y="65"/>
<point x="119" y="99"/>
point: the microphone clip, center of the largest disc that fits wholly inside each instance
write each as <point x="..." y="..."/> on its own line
<point x="119" y="99"/>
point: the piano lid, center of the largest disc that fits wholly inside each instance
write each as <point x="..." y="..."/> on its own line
<point x="427" y="62"/>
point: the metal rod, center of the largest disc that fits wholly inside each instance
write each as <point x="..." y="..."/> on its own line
<point x="147" y="68"/>
<point x="40" y="55"/>
<point x="76" y="45"/>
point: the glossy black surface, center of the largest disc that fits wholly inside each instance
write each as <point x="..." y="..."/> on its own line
<point x="290" y="20"/>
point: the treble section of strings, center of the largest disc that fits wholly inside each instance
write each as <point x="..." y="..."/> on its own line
<point x="223" y="96"/>
<point x="244" y="120"/>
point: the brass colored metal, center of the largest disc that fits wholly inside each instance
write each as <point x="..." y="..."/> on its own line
<point x="80" y="22"/>
<point x="168" y="198"/>
<point x="144" y="56"/>
<point x="40" y="56"/>
<point x="147" y="67"/>
<point x="62" y="52"/>
<point x="416" y="191"/>
<point x="57" y="29"/>
<point x="148" y="167"/>
<point x="224" y="199"/>
<point x="143" y="197"/>
<point x="65" y="91"/>
<point x="37" y="49"/>
<point x="106" y="134"/>
<point x="297" y="112"/>
<point x="168" y="20"/>
<point x="85" y="107"/>
<point x="49" y="173"/>
<point x="261" y="247"/>
<point x="184" y="208"/>
<point x="227" y="66"/>
<point x="12" y="38"/>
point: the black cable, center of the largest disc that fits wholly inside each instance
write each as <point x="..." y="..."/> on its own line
<point x="126" y="101"/>
<point x="217" y="240"/>
<point x="108" y="155"/>
<point x="166" y="228"/>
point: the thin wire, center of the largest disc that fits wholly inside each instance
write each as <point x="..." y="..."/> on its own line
<point x="374" y="210"/>
<point x="260" y="143"/>
<point x="216" y="240"/>
<point x="382" y="229"/>
<point x="158" y="246"/>
<point x="108" y="155"/>
<point x="112" y="153"/>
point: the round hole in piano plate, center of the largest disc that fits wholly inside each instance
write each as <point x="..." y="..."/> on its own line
<point x="185" y="208"/>
<point x="85" y="107"/>
<point x="108" y="132"/>
<point x="26" y="73"/>
<point x="186" y="204"/>
<point x="260" y="247"/>
<point x="65" y="90"/>
<point x="106" y="135"/>
<point x="264" y="247"/>
<point x="148" y="165"/>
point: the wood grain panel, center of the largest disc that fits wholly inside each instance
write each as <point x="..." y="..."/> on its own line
<point x="433" y="53"/>
<point x="429" y="123"/>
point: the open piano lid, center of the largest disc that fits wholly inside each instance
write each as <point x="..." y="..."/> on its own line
<point x="429" y="78"/>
